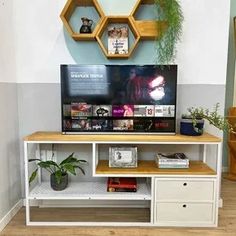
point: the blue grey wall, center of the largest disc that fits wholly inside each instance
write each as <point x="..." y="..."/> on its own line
<point x="10" y="188"/>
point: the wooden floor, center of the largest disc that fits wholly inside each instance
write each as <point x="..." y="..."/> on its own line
<point x="227" y="224"/>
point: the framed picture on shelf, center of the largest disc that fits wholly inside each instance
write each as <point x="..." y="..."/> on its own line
<point x="123" y="157"/>
<point x="118" y="39"/>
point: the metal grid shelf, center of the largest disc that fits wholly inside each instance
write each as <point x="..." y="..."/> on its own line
<point x="87" y="191"/>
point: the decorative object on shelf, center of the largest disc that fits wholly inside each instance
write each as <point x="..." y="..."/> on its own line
<point x="118" y="39"/>
<point x="188" y="127"/>
<point x="59" y="172"/>
<point x="121" y="184"/>
<point x="173" y="161"/>
<point x="123" y="157"/>
<point x="171" y="12"/>
<point x="193" y="122"/>
<point x="86" y="27"/>
<point x="73" y="7"/>
<point x="124" y="23"/>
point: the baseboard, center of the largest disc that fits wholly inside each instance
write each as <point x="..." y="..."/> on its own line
<point x="7" y="218"/>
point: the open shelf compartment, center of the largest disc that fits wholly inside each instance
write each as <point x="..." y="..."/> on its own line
<point x="150" y="168"/>
<point x="133" y="35"/>
<point x="72" y="12"/>
<point x="89" y="191"/>
<point x="144" y="17"/>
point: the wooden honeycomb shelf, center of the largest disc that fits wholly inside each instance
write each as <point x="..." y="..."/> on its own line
<point x="148" y="29"/>
<point x="141" y="29"/>
<point x="118" y="20"/>
<point x="68" y="11"/>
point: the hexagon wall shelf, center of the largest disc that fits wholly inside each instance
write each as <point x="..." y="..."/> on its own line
<point x="140" y="29"/>
<point x="118" y="20"/>
<point x="68" y="11"/>
<point x="148" y="29"/>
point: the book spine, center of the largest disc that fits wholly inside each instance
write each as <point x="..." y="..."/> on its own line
<point x="121" y="186"/>
<point x="109" y="189"/>
<point x="173" y="166"/>
<point x="174" y="162"/>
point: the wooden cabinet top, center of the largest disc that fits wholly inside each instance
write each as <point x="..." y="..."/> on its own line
<point x="120" y="138"/>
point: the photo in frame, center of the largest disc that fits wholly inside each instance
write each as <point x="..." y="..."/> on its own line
<point x="123" y="157"/>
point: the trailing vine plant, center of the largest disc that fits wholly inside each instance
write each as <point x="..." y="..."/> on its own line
<point x="169" y="11"/>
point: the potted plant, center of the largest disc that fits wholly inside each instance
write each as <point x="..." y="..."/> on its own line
<point x="193" y="122"/>
<point x="59" y="172"/>
<point x="169" y="11"/>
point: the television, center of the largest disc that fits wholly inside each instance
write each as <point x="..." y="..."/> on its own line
<point x="118" y="99"/>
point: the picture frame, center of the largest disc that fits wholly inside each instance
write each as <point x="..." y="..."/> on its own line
<point x="123" y="157"/>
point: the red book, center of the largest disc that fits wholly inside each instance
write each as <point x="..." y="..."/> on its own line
<point x="123" y="184"/>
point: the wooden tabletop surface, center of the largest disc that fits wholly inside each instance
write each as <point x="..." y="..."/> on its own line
<point x="143" y="138"/>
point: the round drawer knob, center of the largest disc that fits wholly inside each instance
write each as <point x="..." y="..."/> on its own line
<point x="184" y="184"/>
<point x="184" y="205"/>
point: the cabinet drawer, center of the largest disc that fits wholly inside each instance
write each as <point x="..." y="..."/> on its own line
<point x="184" y="213"/>
<point x="192" y="190"/>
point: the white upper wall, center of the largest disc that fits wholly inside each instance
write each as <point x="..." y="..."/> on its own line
<point x="203" y="53"/>
<point x="7" y="42"/>
<point x="41" y="48"/>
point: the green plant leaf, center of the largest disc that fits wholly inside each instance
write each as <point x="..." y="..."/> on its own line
<point x="58" y="175"/>
<point x="33" y="175"/>
<point x="81" y="161"/>
<point x="47" y="164"/>
<point x="69" y="159"/>
<point x="70" y="168"/>
<point x="169" y="11"/>
<point x="211" y="116"/>
<point x="82" y="170"/>
<point x="30" y="160"/>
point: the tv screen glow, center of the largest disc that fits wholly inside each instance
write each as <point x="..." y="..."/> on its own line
<point x="118" y="98"/>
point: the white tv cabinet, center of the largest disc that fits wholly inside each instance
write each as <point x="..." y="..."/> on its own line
<point x="175" y="197"/>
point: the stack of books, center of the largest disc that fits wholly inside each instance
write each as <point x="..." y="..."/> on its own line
<point x="122" y="184"/>
<point x="176" y="160"/>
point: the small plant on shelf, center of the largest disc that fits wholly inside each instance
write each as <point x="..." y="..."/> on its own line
<point x="193" y="122"/>
<point x="59" y="172"/>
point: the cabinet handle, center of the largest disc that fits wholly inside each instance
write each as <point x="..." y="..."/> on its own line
<point x="184" y="184"/>
<point x="184" y="205"/>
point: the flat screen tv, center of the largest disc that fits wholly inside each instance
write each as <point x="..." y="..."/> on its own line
<point x="118" y="99"/>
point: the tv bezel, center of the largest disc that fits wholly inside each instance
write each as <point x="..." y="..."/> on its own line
<point x="123" y="132"/>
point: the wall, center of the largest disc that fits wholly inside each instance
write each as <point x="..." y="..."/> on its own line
<point x="231" y="60"/>
<point x="10" y="191"/>
<point x="230" y="94"/>
<point x="42" y="45"/>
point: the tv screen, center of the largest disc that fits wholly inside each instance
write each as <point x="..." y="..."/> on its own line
<point x="118" y="98"/>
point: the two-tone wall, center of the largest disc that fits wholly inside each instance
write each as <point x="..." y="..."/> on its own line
<point x="42" y="45"/>
<point x="35" y="45"/>
<point x="10" y="183"/>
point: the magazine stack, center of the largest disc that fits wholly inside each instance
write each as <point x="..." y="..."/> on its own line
<point x="176" y="160"/>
